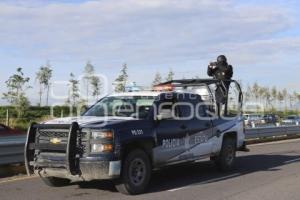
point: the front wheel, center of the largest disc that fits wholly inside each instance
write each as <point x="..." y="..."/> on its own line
<point x="136" y="173"/>
<point x="55" y="182"/>
<point x="226" y="159"/>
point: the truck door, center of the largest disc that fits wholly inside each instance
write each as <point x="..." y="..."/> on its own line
<point x="192" y="111"/>
<point x="170" y="132"/>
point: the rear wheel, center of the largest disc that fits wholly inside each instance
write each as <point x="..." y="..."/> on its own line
<point x="136" y="173"/>
<point x="226" y="159"/>
<point x="55" y="182"/>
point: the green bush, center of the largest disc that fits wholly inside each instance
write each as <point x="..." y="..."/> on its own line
<point x="33" y="114"/>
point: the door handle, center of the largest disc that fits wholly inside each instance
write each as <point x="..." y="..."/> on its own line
<point x="218" y="133"/>
<point x="183" y="127"/>
<point x="207" y="125"/>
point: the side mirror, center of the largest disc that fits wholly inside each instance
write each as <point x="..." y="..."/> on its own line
<point x="159" y="117"/>
<point x="164" y="114"/>
<point x="84" y="108"/>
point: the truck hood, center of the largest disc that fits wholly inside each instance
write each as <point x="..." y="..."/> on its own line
<point x="86" y="120"/>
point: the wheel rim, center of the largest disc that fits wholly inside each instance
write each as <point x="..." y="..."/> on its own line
<point x="230" y="155"/>
<point x="137" y="171"/>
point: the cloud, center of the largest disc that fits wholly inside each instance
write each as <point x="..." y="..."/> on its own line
<point x="156" y="35"/>
<point x="137" y="30"/>
<point x="266" y="51"/>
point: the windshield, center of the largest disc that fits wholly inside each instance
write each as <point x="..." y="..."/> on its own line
<point x="122" y="106"/>
<point x="291" y="117"/>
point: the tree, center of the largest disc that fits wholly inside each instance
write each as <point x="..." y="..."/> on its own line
<point x="43" y="76"/>
<point x="47" y="83"/>
<point x="170" y="75"/>
<point x="248" y="94"/>
<point x="285" y="97"/>
<point x="73" y="90"/>
<point x="280" y="98"/>
<point x="89" y="72"/>
<point x="157" y="79"/>
<point x="296" y="96"/>
<point x="274" y="94"/>
<point x="291" y="98"/>
<point x="23" y="106"/>
<point x="255" y="90"/>
<point x="17" y="85"/>
<point x="261" y="93"/>
<point x="96" y="86"/>
<point x="39" y="78"/>
<point x="267" y="96"/>
<point x="121" y="80"/>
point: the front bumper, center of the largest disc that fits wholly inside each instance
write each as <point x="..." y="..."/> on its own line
<point x="69" y="159"/>
<point x="94" y="169"/>
<point x="90" y="169"/>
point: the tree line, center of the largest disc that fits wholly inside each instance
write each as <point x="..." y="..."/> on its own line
<point x="18" y="84"/>
<point x="272" y="97"/>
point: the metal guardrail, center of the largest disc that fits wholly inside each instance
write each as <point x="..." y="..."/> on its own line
<point x="264" y="132"/>
<point x="12" y="147"/>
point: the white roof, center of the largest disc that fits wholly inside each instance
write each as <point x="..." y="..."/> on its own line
<point x="141" y="93"/>
<point x="199" y="91"/>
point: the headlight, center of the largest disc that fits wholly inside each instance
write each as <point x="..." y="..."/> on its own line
<point x="102" y="135"/>
<point x="98" y="148"/>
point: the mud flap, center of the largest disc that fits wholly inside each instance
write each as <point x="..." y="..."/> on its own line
<point x="244" y="148"/>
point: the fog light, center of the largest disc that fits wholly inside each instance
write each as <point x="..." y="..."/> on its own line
<point x="98" y="148"/>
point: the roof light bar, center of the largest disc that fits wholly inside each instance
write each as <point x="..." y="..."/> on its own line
<point x="163" y="87"/>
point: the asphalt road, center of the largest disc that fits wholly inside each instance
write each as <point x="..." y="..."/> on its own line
<point x="269" y="171"/>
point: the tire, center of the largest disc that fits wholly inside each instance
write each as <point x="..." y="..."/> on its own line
<point x="136" y="173"/>
<point x="226" y="159"/>
<point x="55" y="182"/>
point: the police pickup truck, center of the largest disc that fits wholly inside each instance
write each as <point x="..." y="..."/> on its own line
<point x="124" y="136"/>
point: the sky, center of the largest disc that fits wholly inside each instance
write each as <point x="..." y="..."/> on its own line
<point x="261" y="39"/>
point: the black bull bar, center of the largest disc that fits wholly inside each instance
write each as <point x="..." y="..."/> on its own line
<point x="71" y="148"/>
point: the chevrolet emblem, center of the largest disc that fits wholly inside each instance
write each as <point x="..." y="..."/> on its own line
<point x="55" y="140"/>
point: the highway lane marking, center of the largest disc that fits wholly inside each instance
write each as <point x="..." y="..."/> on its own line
<point x="291" y="161"/>
<point x="206" y="182"/>
<point x="276" y="142"/>
<point x="17" y="179"/>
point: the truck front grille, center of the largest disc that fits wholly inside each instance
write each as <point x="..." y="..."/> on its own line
<point x="54" y="146"/>
<point x="56" y="140"/>
<point x="53" y="133"/>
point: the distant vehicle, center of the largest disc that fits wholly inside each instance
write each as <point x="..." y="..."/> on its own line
<point x="7" y="131"/>
<point x="291" y="120"/>
<point x="255" y="119"/>
<point x="271" y="119"/>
